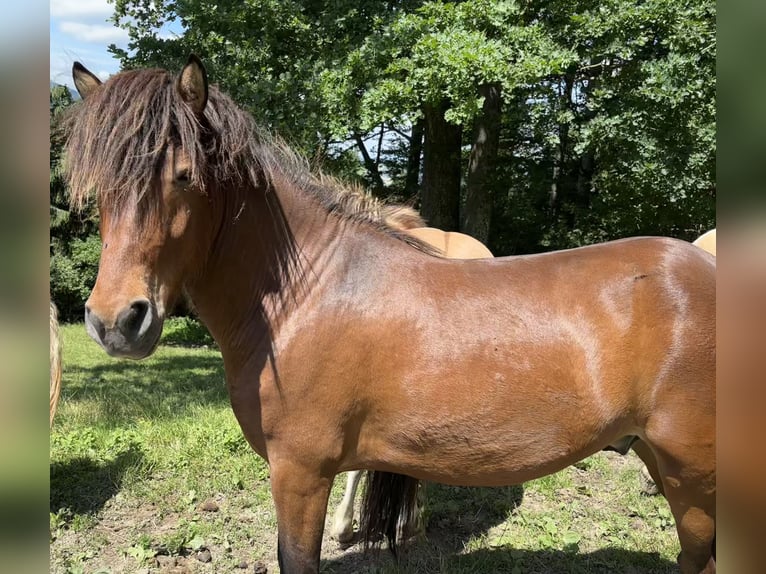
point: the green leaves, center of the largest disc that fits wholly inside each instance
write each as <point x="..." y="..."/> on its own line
<point x="442" y="51"/>
<point x="608" y="119"/>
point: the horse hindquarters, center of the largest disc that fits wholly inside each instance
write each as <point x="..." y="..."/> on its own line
<point x="689" y="486"/>
<point x="680" y="445"/>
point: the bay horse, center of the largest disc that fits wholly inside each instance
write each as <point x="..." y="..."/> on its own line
<point x="450" y="244"/>
<point x="345" y="348"/>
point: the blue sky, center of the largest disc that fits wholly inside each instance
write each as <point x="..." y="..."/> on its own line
<point x="79" y="30"/>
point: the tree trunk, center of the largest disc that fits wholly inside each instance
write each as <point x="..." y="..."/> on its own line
<point x="413" y="159"/>
<point x="372" y="167"/>
<point x="588" y="158"/>
<point x="561" y="171"/>
<point x="440" y="195"/>
<point x="477" y="211"/>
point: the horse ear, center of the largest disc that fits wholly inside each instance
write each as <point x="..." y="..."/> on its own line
<point x="85" y="81"/>
<point x="192" y="84"/>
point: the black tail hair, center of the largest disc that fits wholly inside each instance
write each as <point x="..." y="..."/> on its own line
<point x="389" y="503"/>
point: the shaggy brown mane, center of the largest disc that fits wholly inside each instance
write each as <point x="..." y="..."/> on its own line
<point x="116" y="141"/>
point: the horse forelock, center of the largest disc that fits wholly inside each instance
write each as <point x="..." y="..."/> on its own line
<point x="115" y="140"/>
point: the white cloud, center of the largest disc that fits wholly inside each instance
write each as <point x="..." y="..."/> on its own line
<point x="93" y="32"/>
<point x="81" y="8"/>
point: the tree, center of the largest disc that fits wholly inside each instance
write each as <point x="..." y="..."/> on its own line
<point x="536" y="125"/>
<point x="431" y="63"/>
<point x="633" y="147"/>
<point x="75" y="246"/>
<point x="479" y="194"/>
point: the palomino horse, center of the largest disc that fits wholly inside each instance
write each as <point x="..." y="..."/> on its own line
<point x="450" y="244"/>
<point x="706" y="241"/>
<point x="55" y="361"/>
<point x="346" y="349"/>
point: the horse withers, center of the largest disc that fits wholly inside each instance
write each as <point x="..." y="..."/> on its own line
<point x="346" y="349"/>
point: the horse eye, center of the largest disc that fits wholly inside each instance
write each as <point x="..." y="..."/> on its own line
<point x="182" y="177"/>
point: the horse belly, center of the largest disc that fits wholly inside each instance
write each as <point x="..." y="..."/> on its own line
<point x="494" y="431"/>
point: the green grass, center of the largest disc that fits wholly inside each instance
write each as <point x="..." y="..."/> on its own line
<point x="151" y="438"/>
<point x="137" y="446"/>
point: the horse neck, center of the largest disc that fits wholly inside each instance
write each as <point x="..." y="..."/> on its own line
<point x="273" y="248"/>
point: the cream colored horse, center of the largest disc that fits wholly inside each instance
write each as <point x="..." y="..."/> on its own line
<point x="706" y="241"/>
<point x="452" y="245"/>
<point x="55" y="360"/>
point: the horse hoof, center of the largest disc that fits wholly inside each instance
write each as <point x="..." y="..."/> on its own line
<point x="648" y="486"/>
<point x="344" y="536"/>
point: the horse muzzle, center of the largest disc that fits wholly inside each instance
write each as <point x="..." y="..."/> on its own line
<point x="134" y="333"/>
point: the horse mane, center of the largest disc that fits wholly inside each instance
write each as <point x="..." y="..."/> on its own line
<point x="116" y="141"/>
<point x="347" y="200"/>
<point x="353" y="200"/>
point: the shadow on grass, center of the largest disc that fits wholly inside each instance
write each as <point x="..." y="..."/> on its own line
<point x="162" y="387"/>
<point x="82" y="485"/>
<point x="453" y="515"/>
<point x="456" y="513"/>
<point x="428" y="557"/>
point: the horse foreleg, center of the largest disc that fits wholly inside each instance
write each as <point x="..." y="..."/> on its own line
<point x="300" y="496"/>
<point x="343" y="521"/>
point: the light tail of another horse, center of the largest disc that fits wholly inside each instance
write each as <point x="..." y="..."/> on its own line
<point x="390" y="501"/>
<point x="55" y="361"/>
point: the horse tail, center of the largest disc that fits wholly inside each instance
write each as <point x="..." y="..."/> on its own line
<point x="389" y="504"/>
<point x="55" y="361"/>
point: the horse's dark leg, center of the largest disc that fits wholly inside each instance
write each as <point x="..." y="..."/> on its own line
<point x="300" y="497"/>
<point x="647" y="456"/>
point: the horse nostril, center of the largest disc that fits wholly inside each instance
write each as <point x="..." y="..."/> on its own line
<point x="131" y="319"/>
